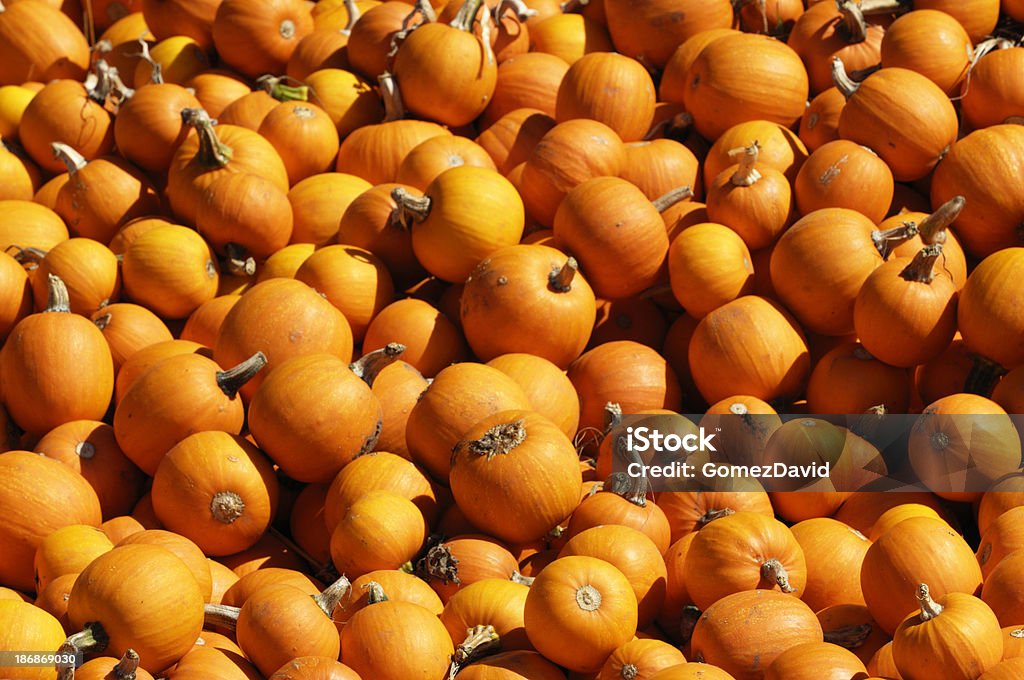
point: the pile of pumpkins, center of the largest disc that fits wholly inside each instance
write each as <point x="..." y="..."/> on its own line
<point x="323" y="324"/>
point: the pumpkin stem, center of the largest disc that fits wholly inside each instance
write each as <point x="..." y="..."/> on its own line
<point x="103" y="82"/>
<point x="463" y="21"/>
<point x="126" y="667"/>
<point x="499" y="440"/>
<point x="103" y="321"/>
<point x="560" y="278"/>
<point x="238" y="262"/>
<point x="632" y="489"/>
<point x="885" y="6"/>
<point x="329" y="598"/>
<point x="92" y="639"/>
<point x="842" y="79"/>
<point x="773" y="571"/>
<point x="369" y="366"/>
<point x="85" y="450"/>
<point x="156" y="73"/>
<point x="226" y="506"/>
<point x="849" y="637"/>
<point x="221" y="616"/>
<point x="886" y="240"/>
<point x="929" y="607"/>
<point x="588" y="598"/>
<point x="675" y="127"/>
<point x="522" y="12"/>
<point x="26" y="256"/>
<point x="1017" y="633"/>
<point x="629" y="671"/>
<point x="480" y="641"/>
<point x="522" y="580"/>
<point x="375" y="593"/>
<point x="855" y="26"/>
<point x="66" y="671"/>
<point x="57" y="295"/>
<point x="73" y="160"/>
<point x="570" y="6"/>
<point x="394" y="109"/>
<point x="276" y="88"/>
<point x="412" y="207"/>
<point x="713" y="514"/>
<point x="933" y="228"/>
<point x="983" y="376"/>
<point x="921" y="268"/>
<point x="231" y="380"/>
<point x="353" y="16"/>
<point x="439" y="563"/>
<point x="670" y="198"/>
<point x="612" y="416"/>
<point x="746" y="174"/>
<point x="212" y="152"/>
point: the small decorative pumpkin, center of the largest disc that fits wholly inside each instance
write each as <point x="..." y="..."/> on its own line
<point x="257" y="40"/>
<point x="834" y="553"/>
<point x="754" y="201"/>
<point x="594" y="88"/>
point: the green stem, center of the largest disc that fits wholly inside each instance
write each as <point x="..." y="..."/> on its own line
<point x="212" y="152"/>
<point x="463" y="21"/>
<point x="92" y="639"/>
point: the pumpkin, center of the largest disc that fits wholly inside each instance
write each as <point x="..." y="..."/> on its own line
<point x="820" y="290"/>
<point x="743" y="77"/>
<point x="40" y="43"/>
<point x="53" y="599"/>
<point x="305" y="137"/>
<point x="743" y="551"/>
<point x="377" y="471"/>
<point x="374" y="221"/>
<point x="106" y="598"/>
<point x="776" y="19"/>
<point x="882" y="662"/>
<point x="284" y="425"/>
<point x="778" y="148"/>
<point x="370" y="39"/>
<point x="203" y="661"/>
<point x="849" y="379"/>
<point x="520" y="277"/>
<point x="561" y="604"/>
<point x="31" y="225"/>
<point x="594" y="86"/>
<point x="108" y="667"/>
<point x="458" y="562"/>
<point x="568" y="36"/>
<point x="182" y="394"/>
<point x="567" y="155"/>
<point x="674" y="82"/>
<point x="20" y="175"/>
<point x="911" y="301"/>
<point x="402" y="586"/>
<point x="510" y="139"/>
<point x="955" y="453"/>
<point x="303" y="323"/>
<point x="984" y="296"/>
<point x="754" y="201"/>
<point x="1002" y="590"/>
<point x="257" y="41"/>
<point x="375" y="152"/>
<point x="314" y="668"/>
<point x="851" y="627"/>
<point x="508" y="445"/>
<point x="724" y="344"/>
<point x="905" y="233"/>
<point x="820" y="123"/>
<point x="956" y="635"/>
<point x="318" y="204"/>
<point x="203" y="325"/>
<point x="1012" y="642"/>
<point x="243" y="214"/>
<point x="1005" y="670"/>
<point x="842" y="174"/>
<point x="640" y="658"/>
<point x="904" y="46"/>
<point x="493" y="604"/>
<point x="861" y="511"/>
<point x="249" y="110"/>
<point x="528" y="80"/>
<point x="28" y="627"/>
<point x="89" y="131"/>
<point x="604" y="508"/>
<point x="1002" y="538"/>
<point x="652" y="29"/>
<point x="731" y="634"/>
<point x="834" y="554"/>
<point x="920" y="548"/>
<point x="835" y="30"/>
<point x="432" y="157"/>
<point x="810" y="659"/>
<point x="431" y="340"/>
<point x="281" y="622"/>
<point x="173" y="286"/>
<point x="371" y="648"/>
<point x="658" y="166"/>
<point x="1003" y="495"/>
<point x="243" y="588"/>
<point x="56" y="367"/>
<point x="978" y="17"/>
<point x="987" y="101"/>
<point x="549" y="390"/>
<point x="68" y="550"/>
<point x="899" y="513"/>
<point x="692" y="671"/>
<point x="380" y="530"/>
<point x="635" y="555"/>
<point x="911" y="140"/>
<point x="216" y="89"/>
<point x="88" y="269"/>
<point x="269" y="551"/>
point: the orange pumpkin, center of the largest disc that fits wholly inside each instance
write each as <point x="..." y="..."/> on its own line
<point x="68" y="550"/>
<point x="641" y="658"/>
<point x="493" y="603"/>
<point x="594" y="87"/>
<point x="849" y="379"/>
<point x="462" y="560"/>
<point x="834" y="554"/>
<point x="89" y="270"/>
<point x="815" y="660"/>
<point x="170" y="270"/>
<point x="254" y="40"/>
<point x="820" y="123"/>
<point x="549" y="390"/>
<point x="89" y="131"/>
<point x="833" y="30"/>
<point x="27" y="627"/>
<point x="985" y="296"/>
<point x="652" y="29"/>
<point x="366" y="590"/>
<point x="40" y="43"/>
<point x="851" y="627"/>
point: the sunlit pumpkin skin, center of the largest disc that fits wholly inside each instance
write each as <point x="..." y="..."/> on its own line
<point x="305" y="137"/>
<point x="127" y="328"/>
<point x="380" y="530"/>
<point x="113" y="587"/>
<point x="988" y="101"/>
<point x="371" y="648"/>
<point x="144" y="358"/>
<point x="185" y="549"/>
<point x="90" y="131"/>
<point x="462" y="560"/>
<point x="370" y="39"/>
<point x="903" y="45"/>
<point x="925" y="641"/>
<point x="986" y="295"/>
<point x="932" y="228"/>
<point x="56" y="366"/>
<point x="560" y="607"/>
<point x="910" y="141"/>
<point x="651" y="30"/>
<point x="951" y="458"/>
<point x="269" y="551"/>
<point x="692" y="671"/>
<point x="180" y="395"/>
<point x="314" y="668"/>
<point x="206" y="660"/>
<point x="243" y="214"/>
<point x="1002" y="590"/>
<point x="243" y="588"/>
<point x="674" y="78"/>
<point x="832" y="31"/>
<point x="512" y="666"/>
<point x="611" y="508"/>
<point x="570" y="153"/>
<point x="1004" y="495"/>
<point x="526" y="80"/>
<point x="508" y="445"/>
<point x="820" y="122"/>
<point x="401" y="586"/>
<point x="375" y="152"/>
<point x="282" y="318"/>
<point x="203" y="324"/>
<point x="31" y="225"/>
<point x="568" y="36"/>
<point x="397" y="388"/>
<point x="550" y="392"/>
<point x="1002" y="539"/>
<point x="721" y="84"/>
<point x="377" y="471"/>
<point x="432" y="341"/>
<point x="709" y="265"/>
<point x="594" y="88"/>
<point x="27" y="627"/>
<point x="68" y="550"/>
<point x="535" y="277"/>
<point x="821" y="290"/>
<point x="862" y="510"/>
<point x="428" y="160"/>
<point x="842" y="174"/>
<point x="170" y="270"/>
<point x="743" y="551"/>
<point x="20" y="175"/>
<point x="834" y="554"/>
<point x="318" y="204"/>
<point x="725" y="343"/>
<point x="40" y="43"/>
<point x="882" y="662"/>
<point x="941" y="557"/>
<point x="850" y="626"/>
<point x="849" y="379"/>
<point x="492" y="602"/>
<point x="284" y="417"/>
<point x="815" y="660"/>
<point x="261" y="41"/>
<point x="281" y="622"/>
<point x="510" y="139"/>
<point x="642" y="657"/>
<point x="89" y="270"/>
<point x="730" y="633"/>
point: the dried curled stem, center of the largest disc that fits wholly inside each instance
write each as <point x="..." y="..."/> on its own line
<point x="773" y="571"/>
